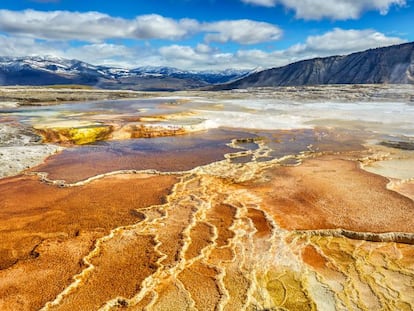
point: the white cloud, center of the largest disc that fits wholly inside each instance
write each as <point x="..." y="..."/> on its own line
<point x="95" y="27"/>
<point x="102" y="54"/>
<point x="242" y="31"/>
<point x="334" y="9"/>
<point x="157" y="26"/>
<point x="257" y="58"/>
<point x="180" y="52"/>
<point x="203" y="48"/>
<point x="18" y="46"/>
<point x="193" y="58"/>
<point x="90" y="26"/>
<point x="96" y="53"/>
<point x="340" y="41"/>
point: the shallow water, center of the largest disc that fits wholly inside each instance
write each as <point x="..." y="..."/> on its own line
<point x="186" y="152"/>
<point x="166" y="154"/>
<point x="265" y="114"/>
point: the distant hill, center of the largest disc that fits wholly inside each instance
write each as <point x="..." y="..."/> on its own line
<point x="393" y="64"/>
<point x="53" y="70"/>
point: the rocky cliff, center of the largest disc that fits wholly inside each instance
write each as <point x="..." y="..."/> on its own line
<point x="393" y="64"/>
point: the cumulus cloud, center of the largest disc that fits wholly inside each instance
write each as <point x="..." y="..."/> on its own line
<point x="188" y="57"/>
<point x="203" y="48"/>
<point x="18" y="46"/>
<point x="92" y="26"/>
<point x="334" y="9"/>
<point x="62" y="25"/>
<point x="242" y="31"/>
<point x="95" y="26"/>
<point x="102" y="54"/>
<point x="156" y="26"/>
<point x="340" y="41"/>
<point x="176" y="51"/>
<point x="95" y="53"/>
<point x="182" y="56"/>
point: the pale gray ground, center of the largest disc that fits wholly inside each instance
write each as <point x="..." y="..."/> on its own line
<point x="20" y="149"/>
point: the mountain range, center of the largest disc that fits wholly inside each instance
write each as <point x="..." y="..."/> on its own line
<point x="392" y="64"/>
<point x="37" y="70"/>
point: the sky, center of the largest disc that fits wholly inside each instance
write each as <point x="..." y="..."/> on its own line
<point x="201" y="34"/>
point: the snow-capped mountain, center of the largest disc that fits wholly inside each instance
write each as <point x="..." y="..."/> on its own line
<point x="45" y="70"/>
<point x="48" y="63"/>
<point x="211" y="77"/>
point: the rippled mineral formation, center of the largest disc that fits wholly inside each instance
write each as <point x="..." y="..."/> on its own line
<point x="228" y="236"/>
<point x="310" y="218"/>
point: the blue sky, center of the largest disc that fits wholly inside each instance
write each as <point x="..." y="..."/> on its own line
<point x="201" y="34"/>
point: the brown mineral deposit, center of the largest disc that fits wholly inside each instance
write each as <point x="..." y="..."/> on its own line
<point x="329" y="193"/>
<point x="46" y="231"/>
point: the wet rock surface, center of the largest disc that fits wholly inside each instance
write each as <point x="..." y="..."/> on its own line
<point x="223" y="219"/>
<point x="21" y="149"/>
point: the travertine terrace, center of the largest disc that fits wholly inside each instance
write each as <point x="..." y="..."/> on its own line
<point x="259" y="200"/>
